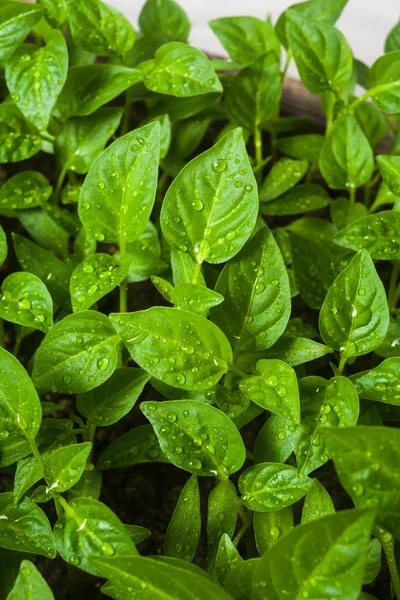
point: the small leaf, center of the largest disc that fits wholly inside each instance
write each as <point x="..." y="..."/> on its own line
<point x="293" y="351"/>
<point x="379" y="234"/>
<point x="112" y="400"/>
<point x="64" y="467"/>
<point x="355" y="316"/>
<point x="302" y="147"/>
<point x="238" y="580"/>
<point x="55" y="11"/>
<point x="392" y="41"/>
<point x="35" y="77"/>
<point x="245" y="38"/>
<point x="30" y="584"/>
<point x="275" y="389"/>
<point x="139" y="445"/>
<point x="227" y="558"/>
<point x="45" y="230"/>
<point x="272" y="486"/>
<point x="183" y="532"/>
<point x="346" y="159"/>
<point x="180" y="70"/>
<point x="26" y="300"/>
<point x="25" y="190"/>
<point x="335" y="559"/>
<point x="223" y="505"/>
<point x="384" y="82"/>
<point x="211" y="207"/>
<point x="19" y="139"/>
<point x="194" y="297"/>
<point x="381" y="384"/>
<point x="16" y="20"/>
<point x="389" y="167"/>
<point x="88" y="486"/>
<point x="96" y="276"/>
<point x="166" y="19"/>
<point x="284" y="175"/>
<point x="210" y="444"/>
<point x="82" y="139"/>
<point x="24" y="525"/>
<point x="344" y="212"/>
<point x="374" y="561"/>
<point x="302" y="198"/>
<point x="144" y="255"/>
<point x="317" y="503"/>
<point x="78" y="354"/>
<point x="256" y="292"/>
<point x="89" y="529"/>
<point x="270" y="526"/>
<point x="100" y="28"/>
<point x="118" y="193"/>
<point x="177" y="346"/>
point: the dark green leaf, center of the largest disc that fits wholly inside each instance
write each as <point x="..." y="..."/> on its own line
<point x="392" y="41"/>
<point x="16" y="20"/>
<point x="292" y="350"/>
<point x="25" y="190"/>
<point x="317" y="503"/>
<point x="26" y="300"/>
<point x="165" y="19"/>
<point x="30" y="584"/>
<point x="269" y="526"/>
<point x="381" y="384"/>
<point x="183" y="532"/>
<point x="302" y="147"/>
<point x="282" y="177"/>
<point x="227" y="558"/>
<point x="389" y="167"/>
<point x="223" y="505"/>
<point x="384" y="82"/>
<point x="19" y="139"/>
<point x="139" y="445"/>
<point x="302" y="198"/>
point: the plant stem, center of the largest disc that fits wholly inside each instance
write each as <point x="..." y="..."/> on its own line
<point x="47" y="136"/>
<point x="287" y="63"/>
<point x="17" y="345"/>
<point x="352" y="195"/>
<point x="258" y="154"/>
<point x="342" y="364"/>
<point x="38" y="456"/>
<point x="387" y="541"/>
<point x="59" y="184"/>
<point x="393" y="283"/>
<point x="196" y="272"/>
<point x="246" y="520"/>
<point x="123" y="286"/>
<point x="126" y="119"/>
<point x="262" y="165"/>
<point x="2" y="343"/>
<point x="395" y="299"/>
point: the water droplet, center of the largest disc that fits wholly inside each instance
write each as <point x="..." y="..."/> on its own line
<point x="197" y="205"/>
<point x="102" y="363"/>
<point x="107" y="549"/>
<point x="24" y="303"/>
<point x="219" y="166"/>
<point x="74" y="560"/>
<point x="101" y="185"/>
<point x="172" y="417"/>
<point x="194" y="463"/>
<point x="358" y="489"/>
<point x="4" y="434"/>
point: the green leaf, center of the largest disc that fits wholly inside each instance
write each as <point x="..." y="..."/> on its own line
<point x="269" y="526"/>
<point x="19" y="139"/>
<point x="210" y="444"/>
<point x="25" y="190"/>
<point x="183" y="532"/>
<point x="90" y="86"/>
<point x="55" y="11"/>
<point x="54" y="273"/>
<point x="336" y="554"/>
<point x="284" y="175"/>
<point x="346" y="159"/>
<point x="344" y="212"/>
<point x="272" y="486"/>
<point x="302" y="147"/>
<point x="118" y="193"/>
<point x="384" y="82"/>
<point x="3" y="246"/>
<point x="390" y="345"/>
<point x="26" y="300"/>
<point x="30" y="584"/>
<point x="35" y="77"/>
<point x="366" y="460"/>
<point x="180" y="70"/>
<point x="392" y="41"/>
<point x="177" y="346"/>
<point x="245" y="38"/>
<point x="381" y="384"/>
<point x="379" y="234"/>
<point x="144" y="255"/>
<point x="372" y="122"/>
<point x="64" y="467"/>
<point x="88" y="486"/>
<point x="211" y="207"/>
<point x="82" y="139"/>
<point x="355" y="316"/>
<point x="89" y="529"/>
<point x="196" y="298"/>
<point x="317" y="503"/>
<point x="275" y="389"/>
<point x="20" y="410"/>
<point x="111" y="401"/>
<point x="166" y="20"/>
<point x="78" y="354"/>
<point x="156" y="580"/>
<point x="258" y="88"/>
<point x="227" y="558"/>
<point x="96" y="276"/>
<point x="100" y="28"/>
<point x="45" y="230"/>
<point x="238" y="580"/>
<point x="139" y="445"/>
<point x="292" y="350"/>
<point x="321" y="52"/>
<point x="223" y="505"/>
<point x="256" y="289"/>
<point x="389" y="167"/>
<point x="16" y="20"/>
<point x="183" y="267"/>
<point x="25" y="526"/>
<point x="302" y="198"/>
<point x="373" y="563"/>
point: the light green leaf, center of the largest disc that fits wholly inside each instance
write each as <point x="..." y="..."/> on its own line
<point x="35" y="77"/>
<point x="177" y="346"/>
<point x="238" y="580"/>
<point x="384" y="82"/>
<point x="30" y="584"/>
<point x="26" y="300"/>
<point x="389" y="167"/>
<point x="372" y="122"/>
<point x="64" y="467"/>
<point x="274" y="388"/>
<point x="392" y="41"/>
<point x="268" y="527"/>
<point x="166" y="20"/>
<point x="19" y="139"/>
<point x="210" y="444"/>
<point x="302" y="198"/>
<point x="256" y="289"/>
<point x="227" y="558"/>
<point x="292" y="350"/>
<point x="16" y="20"/>
<point x="82" y="139"/>
<point x="89" y="529"/>
<point x="194" y="297"/>
<point x="336" y="554"/>
<point x="344" y="212"/>
<point x="284" y="175"/>
<point x="183" y="531"/>
<point x="222" y="511"/>
<point x="380" y="384"/>
<point x="211" y="207"/>
<point x="139" y="445"/>
<point x="118" y="193"/>
<point x="24" y="525"/>
<point x="302" y="147"/>
<point x="96" y="276"/>
<point x="45" y="230"/>
<point x="100" y="28"/>
<point x="55" y="11"/>
<point x="180" y="70"/>
<point x="355" y="317"/>
<point x="391" y="344"/>
<point x="111" y="401"/>
<point x="374" y="561"/>
<point x="272" y="486"/>
<point x="144" y="255"/>
<point x="25" y="190"/>
<point x="346" y="159"/>
<point x="78" y="354"/>
<point x="317" y="503"/>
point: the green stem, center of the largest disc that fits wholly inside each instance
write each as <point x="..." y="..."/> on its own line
<point x="123" y="286"/>
<point x="59" y="184"/>
<point x="352" y="195"/>
<point x="342" y="364"/>
<point x="2" y="342"/>
<point x="196" y="272"/>
<point x="258" y="155"/>
<point x="17" y="345"/>
<point x="395" y="299"/>
<point x="387" y="541"/>
<point x="235" y="369"/>
<point x="393" y="283"/>
<point x="246" y="521"/>
<point x="126" y="119"/>
<point x="262" y="165"/>
<point x="45" y="135"/>
<point x="287" y="63"/>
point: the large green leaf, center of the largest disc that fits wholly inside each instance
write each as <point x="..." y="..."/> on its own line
<point x="19" y="139"/>
<point x="380" y="384"/>
<point x="385" y="83"/>
<point x="26" y="300"/>
<point x="16" y="20"/>
<point x="379" y="234"/>
<point x="211" y="207"/>
<point x="30" y="584"/>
